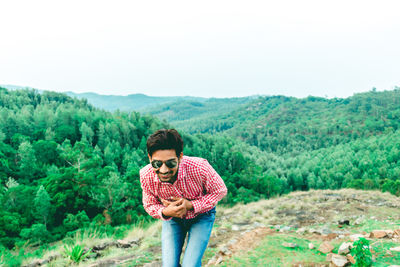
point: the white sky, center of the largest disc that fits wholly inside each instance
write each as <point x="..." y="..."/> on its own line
<point x="201" y="48"/>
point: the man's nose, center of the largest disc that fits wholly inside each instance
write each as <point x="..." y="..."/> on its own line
<point x="163" y="168"/>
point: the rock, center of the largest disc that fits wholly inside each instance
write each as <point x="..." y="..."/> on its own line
<point x="218" y="261"/>
<point x="389" y="233"/>
<point x="153" y="264"/>
<point x="378" y="233"/>
<point x="285" y="229"/>
<point x="397" y="249"/>
<point x="397" y="232"/>
<point x="345" y="248"/>
<point x="257" y="224"/>
<point x="235" y="227"/>
<point x="344" y="222"/>
<point x="367" y="235"/>
<point x="351" y="259"/>
<point x="290" y="245"/>
<point x="124" y="243"/>
<point x="359" y="220"/>
<point x="329" y="257"/>
<point x="103" y="246"/>
<point x="232" y="241"/>
<point x="325" y="247"/>
<point x="325" y="231"/>
<point x="339" y="260"/>
<point x="312" y="231"/>
<point x="301" y="231"/>
<point x="331" y="236"/>
<point x="225" y="251"/>
<point x="355" y="237"/>
<point x="311" y="246"/>
<point x="37" y="262"/>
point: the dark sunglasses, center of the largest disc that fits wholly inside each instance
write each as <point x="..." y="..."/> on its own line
<point x="171" y="163"/>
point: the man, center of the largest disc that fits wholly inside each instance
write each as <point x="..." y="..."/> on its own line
<point x="182" y="191"/>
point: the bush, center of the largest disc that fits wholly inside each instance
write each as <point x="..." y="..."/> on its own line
<point x="36" y="234"/>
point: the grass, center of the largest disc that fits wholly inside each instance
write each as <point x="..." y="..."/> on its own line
<point x="270" y="252"/>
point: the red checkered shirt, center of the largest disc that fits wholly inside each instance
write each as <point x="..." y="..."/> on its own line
<point x="197" y="181"/>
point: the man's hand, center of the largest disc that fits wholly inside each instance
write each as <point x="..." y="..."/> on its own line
<point x="186" y="203"/>
<point x="177" y="207"/>
<point x="174" y="209"/>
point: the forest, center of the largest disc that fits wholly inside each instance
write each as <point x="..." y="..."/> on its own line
<point x="66" y="165"/>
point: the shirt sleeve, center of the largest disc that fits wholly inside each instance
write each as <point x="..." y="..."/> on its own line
<point x="214" y="187"/>
<point x="151" y="203"/>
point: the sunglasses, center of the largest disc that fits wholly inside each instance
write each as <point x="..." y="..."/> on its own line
<point x="171" y="163"/>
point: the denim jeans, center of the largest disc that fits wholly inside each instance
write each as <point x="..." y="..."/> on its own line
<point x="173" y="236"/>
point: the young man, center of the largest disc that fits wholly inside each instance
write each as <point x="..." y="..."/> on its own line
<point x="183" y="192"/>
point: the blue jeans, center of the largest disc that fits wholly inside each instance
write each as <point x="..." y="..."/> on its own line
<point x="173" y="236"/>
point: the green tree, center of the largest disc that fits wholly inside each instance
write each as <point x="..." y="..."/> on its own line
<point x="26" y="161"/>
<point x="42" y="205"/>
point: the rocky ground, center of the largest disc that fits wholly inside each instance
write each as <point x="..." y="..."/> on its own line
<point x="327" y="218"/>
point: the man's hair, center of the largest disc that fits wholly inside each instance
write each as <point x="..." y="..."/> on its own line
<point x="165" y="139"/>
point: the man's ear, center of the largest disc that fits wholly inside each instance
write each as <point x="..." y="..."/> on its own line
<point x="180" y="156"/>
<point x="149" y="157"/>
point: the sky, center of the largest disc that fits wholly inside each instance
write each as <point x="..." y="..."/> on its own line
<point x="218" y="48"/>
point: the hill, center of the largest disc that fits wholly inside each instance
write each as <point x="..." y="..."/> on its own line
<point x="260" y="233"/>
<point x="282" y="124"/>
<point x="133" y="102"/>
<point x="184" y="113"/>
<point x="67" y="167"/>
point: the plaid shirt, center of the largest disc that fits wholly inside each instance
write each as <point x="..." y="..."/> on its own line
<point x="197" y="181"/>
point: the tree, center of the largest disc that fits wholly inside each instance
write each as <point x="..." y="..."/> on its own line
<point x="36" y="234"/>
<point x="109" y="194"/>
<point x="27" y="161"/>
<point x="42" y="205"/>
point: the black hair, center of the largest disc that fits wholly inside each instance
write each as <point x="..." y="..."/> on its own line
<point x="165" y="139"/>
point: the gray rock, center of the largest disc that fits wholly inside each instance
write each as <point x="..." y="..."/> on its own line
<point x="153" y="264"/>
<point x="301" y="231"/>
<point x="225" y="251"/>
<point x="37" y="262"/>
<point x="235" y="227"/>
<point x="290" y="245"/>
<point x="285" y="229"/>
<point x="355" y="237"/>
<point x="339" y="260"/>
<point x="105" y="245"/>
<point x="359" y="221"/>
<point x="325" y="231"/>
<point x="345" y="248"/>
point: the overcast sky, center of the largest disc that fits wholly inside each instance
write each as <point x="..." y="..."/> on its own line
<point x="215" y="48"/>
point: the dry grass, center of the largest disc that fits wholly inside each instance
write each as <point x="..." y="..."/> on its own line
<point x="311" y="209"/>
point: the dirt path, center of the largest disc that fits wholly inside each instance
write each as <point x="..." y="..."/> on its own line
<point x="240" y="242"/>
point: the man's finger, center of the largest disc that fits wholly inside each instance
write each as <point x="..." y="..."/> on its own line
<point x="165" y="202"/>
<point x="179" y="202"/>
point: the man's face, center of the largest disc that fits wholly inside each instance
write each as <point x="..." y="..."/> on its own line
<point x="165" y="164"/>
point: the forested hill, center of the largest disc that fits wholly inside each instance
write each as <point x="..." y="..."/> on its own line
<point x="282" y="124"/>
<point x="133" y="102"/>
<point x="184" y="113"/>
<point x="66" y="165"/>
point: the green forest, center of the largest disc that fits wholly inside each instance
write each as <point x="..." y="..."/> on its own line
<point x="66" y="165"/>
